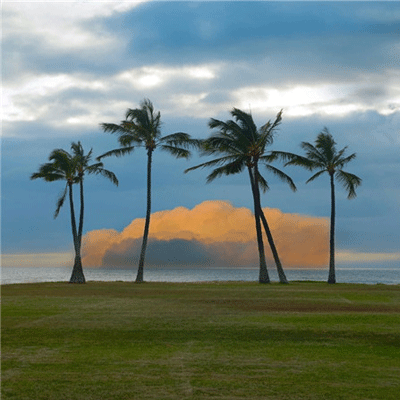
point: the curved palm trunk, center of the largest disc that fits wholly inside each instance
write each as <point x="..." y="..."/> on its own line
<point x="77" y="271"/>
<point x="281" y="272"/>
<point x="332" y="277"/>
<point x="139" y="277"/>
<point x="263" y="274"/>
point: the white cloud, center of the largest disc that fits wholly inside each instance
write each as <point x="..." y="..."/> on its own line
<point x="28" y="99"/>
<point x="155" y="76"/>
<point x="59" y="24"/>
<point x="33" y="97"/>
<point x="190" y="105"/>
<point x="333" y="99"/>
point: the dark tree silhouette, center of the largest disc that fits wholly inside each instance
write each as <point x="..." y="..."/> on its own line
<point x="325" y="158"/>
<point x="142" y="128"/>
<point x="71" y="168"/>
<point x="241" y="145"/>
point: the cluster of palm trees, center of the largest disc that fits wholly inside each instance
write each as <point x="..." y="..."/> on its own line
<point x="71" y="168"/>
<point x="237" y="144"/>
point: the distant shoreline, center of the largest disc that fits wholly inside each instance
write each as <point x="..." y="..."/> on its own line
<point x="360" y="275"/>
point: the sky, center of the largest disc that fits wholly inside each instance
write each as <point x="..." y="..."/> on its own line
<point x="69" y="66"/>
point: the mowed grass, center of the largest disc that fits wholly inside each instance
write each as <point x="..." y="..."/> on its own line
<point x="231" y="340"/>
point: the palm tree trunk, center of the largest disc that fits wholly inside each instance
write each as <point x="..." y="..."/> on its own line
<point x="281" y="272"/>
<point x="81" y="213"/>
<point x="263" y="274"/>
<point x="77" y="271"/>
<point x="139" y="277"/>
<point x="332" y="277"/>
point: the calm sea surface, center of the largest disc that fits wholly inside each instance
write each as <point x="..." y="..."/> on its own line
<point x="348" y="274"/>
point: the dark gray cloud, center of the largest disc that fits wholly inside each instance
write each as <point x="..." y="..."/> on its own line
<point x="175" y="252"/>
<point x="334" y="35"/>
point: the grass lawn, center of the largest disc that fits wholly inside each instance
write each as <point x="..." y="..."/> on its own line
<point x="231" y="340"/>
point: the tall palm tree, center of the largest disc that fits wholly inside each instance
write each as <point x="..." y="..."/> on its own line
<point x="71" y="168"/>
<point x="142" y="128"/>
<point x="241" y="145"/>
<point x="325" y="158"/>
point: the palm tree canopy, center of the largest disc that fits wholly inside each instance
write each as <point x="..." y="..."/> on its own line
<point x="81" y="163"/>
<point x="241" y="145"/>
<point x="324" y="157"/>
<point x="70" y="168"/>
<point x="60" y="168"/>
<point x="142" y="128"/>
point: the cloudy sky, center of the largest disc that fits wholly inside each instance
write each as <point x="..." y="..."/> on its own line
<point x="69" y="66"/>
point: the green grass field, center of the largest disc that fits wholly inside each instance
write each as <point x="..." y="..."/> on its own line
<point x="239" y="340"/>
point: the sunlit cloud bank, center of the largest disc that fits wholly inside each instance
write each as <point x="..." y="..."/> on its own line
<point x="213" y="234"/>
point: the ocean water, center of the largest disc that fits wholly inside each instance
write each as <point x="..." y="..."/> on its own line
<point x="346" y="274"/>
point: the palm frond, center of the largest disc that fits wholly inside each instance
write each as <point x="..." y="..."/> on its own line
<point x="127" y="139"/>
<point x="337" y="156"/>
<point x="138" y="131"/>
<point x="117" y="152"/>
<point x="246" y="122"/>
<point x="114" y="128"/>
<point x="146" y="120"/>
<point x="108" y="174"/>
<point x="316" y="175"/>
<point x="262" y="182"/>
<point x="63" y="161"/>
<point x="177" y="152"/>
<point x="326" y="144"/>
<point x="177" y="136"/>
<point x="222" y="143"/>
<point x="60" y="201"/>
<point x="314" y="154"/>
<point x="181" y="139"/>
<point x="49" y="172"/>
<point x="92" y="169"/>
<point x="212" y="163"/>
<point x="267" y="130"/>
<point x="349" y="181"/>
<point x="301" y="161"/>
<point x="76" y="148"/>
<point x="280" y="155"/>
<point x="282" y="176"/>
<point x="227" y="169"/>
<point x="341" y="162"/>
<point x="229" y="127"/>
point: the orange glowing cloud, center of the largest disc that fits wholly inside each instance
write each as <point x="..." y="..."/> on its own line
<point x="214" y="233"/>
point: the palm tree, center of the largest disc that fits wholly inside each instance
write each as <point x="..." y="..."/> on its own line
<point x="242" y="146"/>
<point x="71" y="168"/>
<point x="325" y="158"/>
<point x="142" y="128"/>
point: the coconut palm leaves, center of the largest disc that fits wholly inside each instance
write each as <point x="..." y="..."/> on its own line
<point x="240" y="145"/>
<point x="324" y="157"/>
<point x="142" y="128"/>
<point x="71" y="168"/>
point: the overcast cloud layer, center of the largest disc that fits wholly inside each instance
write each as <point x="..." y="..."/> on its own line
<point x="69" y="66"/>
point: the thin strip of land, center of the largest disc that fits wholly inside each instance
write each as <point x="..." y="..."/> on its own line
<point x="220" y="340"/>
